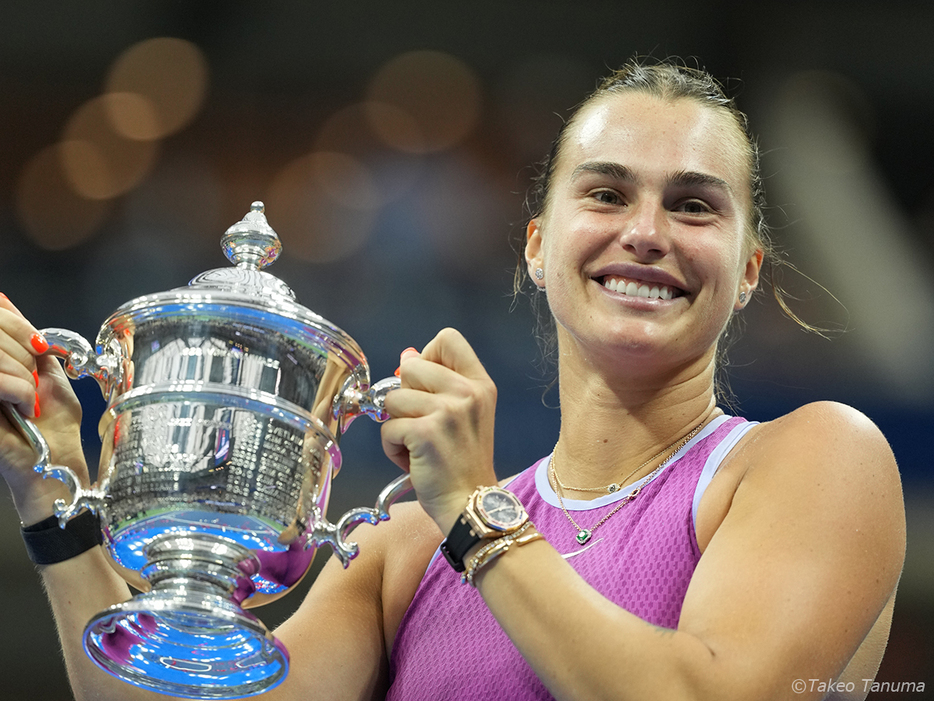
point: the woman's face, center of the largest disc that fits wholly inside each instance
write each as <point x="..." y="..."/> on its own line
<point x="643" y="238"/>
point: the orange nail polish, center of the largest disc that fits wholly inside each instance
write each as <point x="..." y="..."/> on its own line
<point x="409" y="353"/>
<point x="398" y="372"/>
<point x="36" y="410"/>
<point x="39" y="343"/>
<point x="35" y="376"/>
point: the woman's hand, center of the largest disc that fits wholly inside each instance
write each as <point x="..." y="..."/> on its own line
<point x="37" y="387"/>
<point x="441" y="430"/>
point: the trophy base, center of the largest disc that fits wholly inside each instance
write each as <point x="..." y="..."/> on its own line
<point x="188" y="636"/>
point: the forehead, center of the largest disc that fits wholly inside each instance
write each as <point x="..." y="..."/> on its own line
<point x="654" y="135"/>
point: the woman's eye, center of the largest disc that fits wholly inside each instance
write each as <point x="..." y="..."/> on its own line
<point x="694" y="207"/>
<point x="607" y="197"/>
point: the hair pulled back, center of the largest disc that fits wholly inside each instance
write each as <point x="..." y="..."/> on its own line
<point x="669" y="80"/>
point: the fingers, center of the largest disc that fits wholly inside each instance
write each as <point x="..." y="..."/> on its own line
<point x="444" y="360"/>
<point x="450" y="349"/>
<point x="16" y="327"/>
<point x="393" y="441"/>
<point x="19" y="344"/>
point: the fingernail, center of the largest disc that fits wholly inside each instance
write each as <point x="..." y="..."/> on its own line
<point x="4" y="296"/>
<point x="398" y="372"/>
<point x="36" y="410"/>
<point x="409" y="353"/>
<point x="39" y="343"/>
<point x="35" y="375"/>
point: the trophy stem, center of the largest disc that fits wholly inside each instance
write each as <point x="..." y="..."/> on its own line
<point x="188" y="636"/>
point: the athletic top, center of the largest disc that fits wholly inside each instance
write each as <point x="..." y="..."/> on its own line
<point x="450" y="648"/>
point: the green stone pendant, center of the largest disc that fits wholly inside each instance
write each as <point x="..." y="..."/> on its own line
<point x="583" y="536"/>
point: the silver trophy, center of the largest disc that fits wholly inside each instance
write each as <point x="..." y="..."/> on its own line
<point x="226" y="400"/>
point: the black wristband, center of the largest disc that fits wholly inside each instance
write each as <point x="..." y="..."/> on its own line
<point x="459" y="541"/>
<point x="47" y="543"/>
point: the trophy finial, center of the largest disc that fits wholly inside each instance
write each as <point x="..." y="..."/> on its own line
<point x="251" y="242"/>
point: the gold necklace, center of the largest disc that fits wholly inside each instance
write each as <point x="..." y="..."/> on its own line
<point x="584" y="534"/>
<point x="614" y="487"/>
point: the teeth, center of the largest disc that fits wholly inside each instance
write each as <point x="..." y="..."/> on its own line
<point x="634" y="289"/>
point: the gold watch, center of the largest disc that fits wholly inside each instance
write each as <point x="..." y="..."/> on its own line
<point x="491" y="512"/>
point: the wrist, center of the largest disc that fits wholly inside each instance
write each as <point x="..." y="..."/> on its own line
<point x="38" y="502"/>
<point x="49" y="542"/>
<point x="455" y="509"/>
<point x="489" y="514"/>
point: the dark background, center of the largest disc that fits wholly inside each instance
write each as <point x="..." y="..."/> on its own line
<point x="392" y="243"/>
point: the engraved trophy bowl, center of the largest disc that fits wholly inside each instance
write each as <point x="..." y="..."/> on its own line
<point x="226" y="400"/>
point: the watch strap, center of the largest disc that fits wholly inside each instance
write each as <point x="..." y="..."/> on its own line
<point x="47" y="543"/>
<point x="458" y="543"/>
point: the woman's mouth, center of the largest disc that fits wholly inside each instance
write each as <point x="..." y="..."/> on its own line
<point x="639" y="288"/>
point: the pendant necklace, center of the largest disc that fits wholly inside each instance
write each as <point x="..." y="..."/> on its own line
<point x="585" y="534"/>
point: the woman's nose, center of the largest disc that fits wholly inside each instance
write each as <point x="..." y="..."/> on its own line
<point x="645" y="234"/>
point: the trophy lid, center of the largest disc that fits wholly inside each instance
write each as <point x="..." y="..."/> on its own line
<point x="244" y="293"/>
<point x="251" y="245"/>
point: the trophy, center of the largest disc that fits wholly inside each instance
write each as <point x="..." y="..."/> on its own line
<point x="226" y="400"/>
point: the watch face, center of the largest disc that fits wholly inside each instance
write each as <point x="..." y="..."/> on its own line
<point x="500" y="509"/>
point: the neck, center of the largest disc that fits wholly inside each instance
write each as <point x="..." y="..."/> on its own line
<point x="614" y="421"/>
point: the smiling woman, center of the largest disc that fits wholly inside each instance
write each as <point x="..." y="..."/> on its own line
<point x="663" y="549"/>
<point x="658" y="203"/>
<point x="736" y="149"/>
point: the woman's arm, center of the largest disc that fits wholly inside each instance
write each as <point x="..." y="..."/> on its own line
<point x="795" y="576"/>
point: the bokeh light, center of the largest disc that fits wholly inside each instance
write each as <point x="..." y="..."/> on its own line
<point x="52" y="213"/>
<point x="440" y="93"/>
<point x="392" y="174"/>
<point x="98" y="162"/>
<point x="172" y="74"/>
<point x="323" y="206"/>
<point x="132" y="115"/>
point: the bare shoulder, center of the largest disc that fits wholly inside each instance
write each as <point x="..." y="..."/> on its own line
<point x="827" y="454"/>
<point x="815" y="446"/>
<point x="820" y="438"/>
<point x="827" y="420"/>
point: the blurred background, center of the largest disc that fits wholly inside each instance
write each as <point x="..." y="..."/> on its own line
<point x="394" y="144"/>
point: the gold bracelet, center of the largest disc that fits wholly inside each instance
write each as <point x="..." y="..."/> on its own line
<point x="490" y="551"/>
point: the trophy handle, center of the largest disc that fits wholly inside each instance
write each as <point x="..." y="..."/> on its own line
<point x="336" y="533"/>
<point x="80" y="498"/>
<point x="350" y="404"/>
<point x="79" y="361"/>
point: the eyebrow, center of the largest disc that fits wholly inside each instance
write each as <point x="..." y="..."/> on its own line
<point x="684" y="178"/>
<point x="614" y="170"/>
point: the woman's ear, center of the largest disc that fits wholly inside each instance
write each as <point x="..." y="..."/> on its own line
<point x="533" y="252"/>
<point x="750" y="279"/>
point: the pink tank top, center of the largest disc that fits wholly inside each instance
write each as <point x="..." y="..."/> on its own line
<point x="450" y="648"/>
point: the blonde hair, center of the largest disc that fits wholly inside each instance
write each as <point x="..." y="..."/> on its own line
<point x="668" y="80"/>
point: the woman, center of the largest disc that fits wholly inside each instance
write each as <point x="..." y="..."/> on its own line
<point x="686" y="554"/>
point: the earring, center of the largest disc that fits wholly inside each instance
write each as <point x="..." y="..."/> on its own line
<point x="742" y="298"/>
<point x="539" y="274"/>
